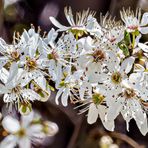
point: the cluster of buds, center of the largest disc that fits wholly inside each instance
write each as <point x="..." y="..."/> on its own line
<point x="101" y="66"/>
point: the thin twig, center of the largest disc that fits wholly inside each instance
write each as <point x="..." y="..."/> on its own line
<point x="125" y="138"/>
<point x="119" y="136"/>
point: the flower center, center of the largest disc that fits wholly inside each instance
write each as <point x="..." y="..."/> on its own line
<point x="15" y="55"/>
<point x="97" y="98"/>
<point x="21" y="132"/>
<point x="31" y="64"/>
<point x="116" y="77"/>
<point x="133" y="27"/>
<point x="77" y="30"/>
<point x="98" y="56"/>
<point x="53" y="55"/>
<point x="129" y="93"/>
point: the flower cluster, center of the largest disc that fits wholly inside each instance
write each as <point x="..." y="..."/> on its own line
<point x="31" y="129"/>
<point x="101" y="66"/>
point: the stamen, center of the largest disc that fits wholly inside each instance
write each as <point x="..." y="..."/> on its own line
<point x="129" y="93"/>
<point x="97" y="98"/>
<point x="31" y="64"/>
<point x="116" y="77"/>
<point x="98" y="55"/>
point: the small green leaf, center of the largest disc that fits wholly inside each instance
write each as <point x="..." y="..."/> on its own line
<point x="124" y="48"/>
<point x="127" y="38"/>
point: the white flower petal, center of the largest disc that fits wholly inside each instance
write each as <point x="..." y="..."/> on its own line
<point x="137" y="41"/>
<point x="144" y="126"/>
<point x="9" y="97"/>
<point x="3" y="61"/>
<point x="52" y="35"/>
<point x="144" y="30"/>
<point x="136" y="78"/>
<point x="127" y="64"/>
<point x="92" y="114"/>
<point x="88" y="43"/>
<point x="11" y="124"/>
<point x="4" y="75"/>
<point x="127" y="115"/>
<point x="138" y="68"/>
<point x="42" y="62"/>
<point x="12" y="73"/>
<point x="82" y="91"/>
<point x="2" y="46"/>
<point x="31" y="32"/>
<point x="24" y="36"/>
<point x="59" y="74"/>
<point x="41" y="81"/>
<point x="32" y="45"/>
<point x="64" y="97"/>
<point x="52" y="69"/>
<point x="29" y="94"/>
<point x="144" y="20"/>
<point x="140" y="116"/>
<point x="3" y="89"/>
<point x="27" y="119"/>
<point x="109" y="125"/>
<point x="143" y="91"/>
<point x="57" y="24"/>
<point x="35" y="129"/>
<point x="25" y="141"/>
<point x="26" y="78"/>
<point x="9" y="142"/>
<point x="114" y="109"/>
<point x="113" y="61"/>
<point x="58" y="95"/>
<point x="143" y="47"/>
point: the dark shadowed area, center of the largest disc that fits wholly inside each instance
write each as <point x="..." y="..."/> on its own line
<point x="74" y="132"/>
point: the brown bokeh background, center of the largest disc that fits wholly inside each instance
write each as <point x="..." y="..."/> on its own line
<point x="74" y="131"/>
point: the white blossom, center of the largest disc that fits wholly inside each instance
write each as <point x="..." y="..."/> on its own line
<point x="27" y="131"/>
<point x="134" y="22"/>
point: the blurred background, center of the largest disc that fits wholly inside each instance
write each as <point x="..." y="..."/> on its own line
<point x="74" y="132"/>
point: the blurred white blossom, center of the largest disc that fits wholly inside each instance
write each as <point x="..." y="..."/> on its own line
<point x="31" y="129"/>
